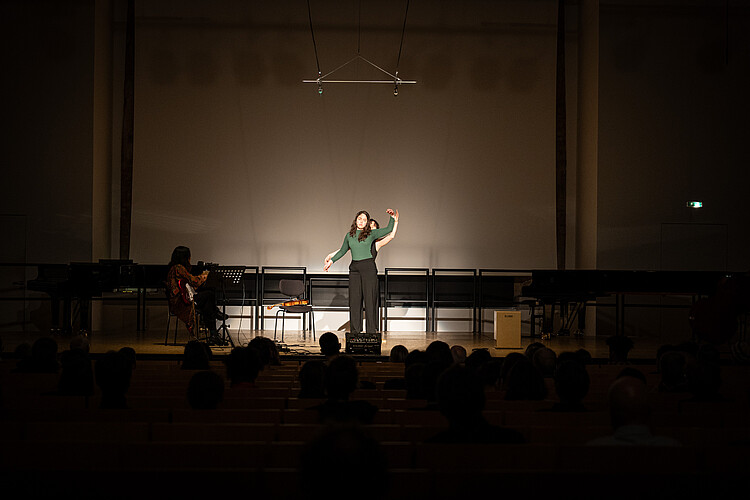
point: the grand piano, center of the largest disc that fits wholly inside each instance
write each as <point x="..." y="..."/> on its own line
<point x="83" y="281"/>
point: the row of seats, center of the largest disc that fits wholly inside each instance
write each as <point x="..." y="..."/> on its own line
<point x="128" y="431"/>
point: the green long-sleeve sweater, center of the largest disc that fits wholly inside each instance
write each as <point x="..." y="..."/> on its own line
<point x="361" y="249"/>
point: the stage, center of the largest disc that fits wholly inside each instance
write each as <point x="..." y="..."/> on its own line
<point x="300" y="344"/>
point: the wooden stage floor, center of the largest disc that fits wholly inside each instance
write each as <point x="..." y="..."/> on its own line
<point x="297" y="343"/>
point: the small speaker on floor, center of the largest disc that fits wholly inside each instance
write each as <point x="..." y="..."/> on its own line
<point x="363" y="343"/>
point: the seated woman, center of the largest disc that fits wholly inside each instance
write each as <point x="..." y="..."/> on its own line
<point x="179" y="280"/>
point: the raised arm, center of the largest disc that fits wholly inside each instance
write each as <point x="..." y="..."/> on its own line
<point x="379" y="233"/>
<point x="384" y="241"/>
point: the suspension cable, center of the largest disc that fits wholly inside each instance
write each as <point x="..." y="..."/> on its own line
<point x="403" y="31"/>
<point x="312" y="32"/>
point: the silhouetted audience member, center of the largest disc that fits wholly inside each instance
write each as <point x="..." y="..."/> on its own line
<point x="533" y="348"/>
<point x="351" y="453"/>
<point x="330" y="347"/>
<point x="413" y="381"/>
<point x="525" y="382"/>
<point x="196" y="356"/>
<point x="584" y="356"/>
<point x="629" y="371"/>
<point x="312" y="379"/>
<point x="243" y="366"/>
<point x="459" y="354"/>
<point x="205" y="390"/>
<point x="398" y="354"/>
<point x="439" y="351"/>
<point x="267" y="350"/>
<point x="630" y="413"/>
<point x="571" y="385"/>
<point x="619" y="347"/>
<point x="510" y="360"/>
<point x="341" y="381"/>
<point x="477" y="359"/>
<point x="22" y="353"/>
<point x="430" y="375"/>
<point x="461" y="400"/>
<point x="112" y="374"/>
<point x="704" y="375"/>
<point x="673" y="369"/>
<point x="43" y="357"/>
<point x="414" y="357"/>
<point x="545" y="360"/>
<point x="490" y="373"/>
<point x="80" y="342"/>
<point x="76" y="374"/>
<point x="129" y="354"/>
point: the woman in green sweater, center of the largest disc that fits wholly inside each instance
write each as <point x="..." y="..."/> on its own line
<point x="363" y="275"/>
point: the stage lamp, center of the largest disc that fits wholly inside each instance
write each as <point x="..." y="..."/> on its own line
<point x="694" y="204"/>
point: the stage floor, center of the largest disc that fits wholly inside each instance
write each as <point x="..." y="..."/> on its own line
<point x="301" y="343"/>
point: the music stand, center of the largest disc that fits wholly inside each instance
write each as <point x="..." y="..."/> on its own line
<point x="231" y="275"/>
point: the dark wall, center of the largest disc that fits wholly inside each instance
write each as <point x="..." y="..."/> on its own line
<point x="47" y="87"/>
<point x="673" y="127"/>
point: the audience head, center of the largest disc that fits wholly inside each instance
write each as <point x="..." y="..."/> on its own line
<point x="267" y="350"/>
<point x="196" y="356"/>
<point x="629" y="371"/>
<point x="525" y="382"/>
<point x="673" y="368"/>
<point x="129" y="354"/>
<point x="477" y="359"/>
<point x="545" y="360"/>
<point x="619" y="347"/>
<point x="460" y="395"/>
<point x="112" y="374"/>
<point x="459" y="354"/>
<point x="243" y="366"/>
<point x="44" y="356"/>
<point x="439" y="351"/>
<point x="584" y="356"/>
<point x="341" y="378"/>
<point x="413" y="380"/>
<point x="704" y="373"/>
<point x="510" y="360"/>
<point x="628" y="402"/>
<point x="80" y="342"/>
<point x="489" y="373"/>
<point x="571" y="382"/>
<point x="76" y="375"/>
<point x="415" y="357"/>
<point x="205" y="390"/>
<point x="532" y="348"/>
<point x="312" y="380"/>
<point x="329" y="344"/>
<point x="351" y="451"/>
<point x="430" y="375"/>
<point x="398" y="354"/>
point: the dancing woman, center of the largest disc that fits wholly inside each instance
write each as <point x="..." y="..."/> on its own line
<point x="363" y="275"/>
<point x="377" y="244"/>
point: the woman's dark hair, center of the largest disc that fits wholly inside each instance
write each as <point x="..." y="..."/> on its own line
<point x="180" y="255"/>
<point x="365" y="232"/>
<point x="377" y="224"/>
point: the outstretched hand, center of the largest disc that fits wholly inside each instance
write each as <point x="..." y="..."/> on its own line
<point x="393" y="213"/>
<point x="327" y="264"/>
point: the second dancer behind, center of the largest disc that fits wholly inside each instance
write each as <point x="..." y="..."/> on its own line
<point x="363" y="275"/>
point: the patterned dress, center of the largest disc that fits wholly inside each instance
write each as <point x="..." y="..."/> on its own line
<point x="177" y="305"/>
